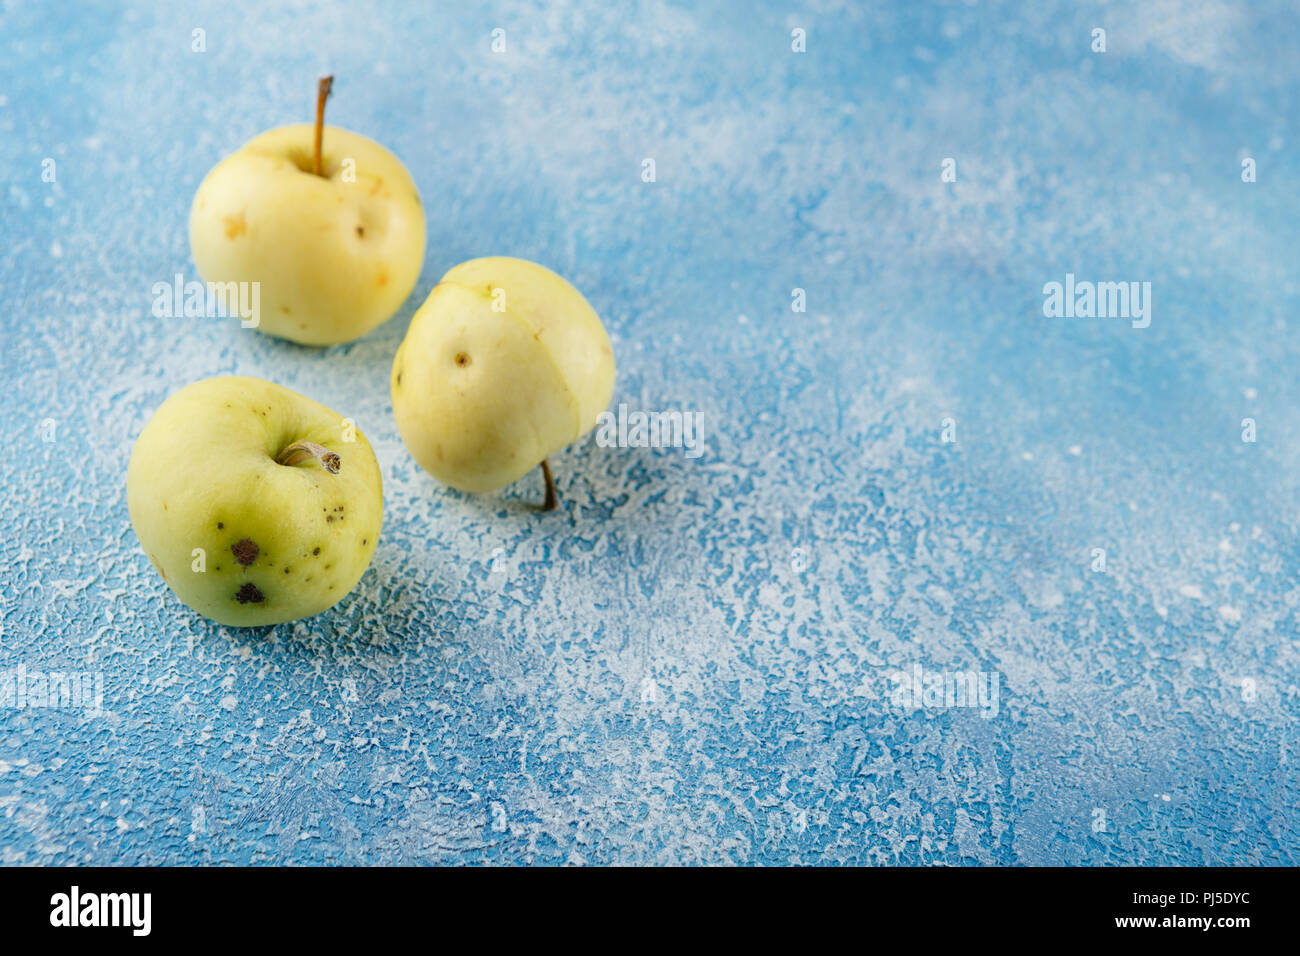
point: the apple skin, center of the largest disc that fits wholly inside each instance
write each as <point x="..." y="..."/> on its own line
<point x="334" y="259"/>
<point x="481" y="396"/>
<point x="280" y="542"/>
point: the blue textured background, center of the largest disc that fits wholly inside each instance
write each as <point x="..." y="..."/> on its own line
<point x="654" y="674"/>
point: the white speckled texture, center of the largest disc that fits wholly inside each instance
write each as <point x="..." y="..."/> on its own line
<point x="690" y="662"/>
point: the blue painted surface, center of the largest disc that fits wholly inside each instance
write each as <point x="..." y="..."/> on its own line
<point x="693" y="660"/>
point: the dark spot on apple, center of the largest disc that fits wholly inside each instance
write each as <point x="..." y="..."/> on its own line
<point x="462" y="360"/>
<point x="245" y="551"/>
<point x="285" y="309"/>
<point x="286" y="570"/>
<point x="249" y="594"/>
<point x="328" y="566"/>
<point x="399" y="378"/>
<point x="315" y="551"/>
<point x="220" y="525"/>
<point x="361" y="232"/>
<point x="364" y="540"/>
<point x="329" y="519"/>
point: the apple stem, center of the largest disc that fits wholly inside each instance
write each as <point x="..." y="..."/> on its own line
<point x="322" y="94"/>
<point x="300" y="451"/>
<point x="552" y="499"/>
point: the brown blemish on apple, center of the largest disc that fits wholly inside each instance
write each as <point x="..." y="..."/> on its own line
<point x="249" y="594"/>
<point x="361" y="232"/>
<point x="462" y="359"/>
<point x="315" y="551"/>
<point x="235" y="225"/>
<point x="285" y="309"/>
<point x="220" y="525"/>
<point x="245" y="551"/>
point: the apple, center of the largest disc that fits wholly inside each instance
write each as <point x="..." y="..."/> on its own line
<point x="504" y="364"/>
<point x="327" y="221"/>
<point x="256" y="504"/>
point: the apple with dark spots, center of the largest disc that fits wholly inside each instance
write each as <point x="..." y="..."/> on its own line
<point x="256" y="504"/>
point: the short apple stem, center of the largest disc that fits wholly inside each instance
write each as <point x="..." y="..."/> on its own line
<point x="300" y="451"/>
<point x="552" y="499"/>
<point x="322" y="94"/>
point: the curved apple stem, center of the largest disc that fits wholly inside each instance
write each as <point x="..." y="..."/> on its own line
<point x="300" y="451"/>
<point x="322" y="94"/>
<point x="552" y="499"/>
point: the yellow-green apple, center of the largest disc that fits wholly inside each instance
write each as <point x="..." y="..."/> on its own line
<point x="256" y="504"/>
<point x="504" y="364"/>
<point x="336" y="251"/>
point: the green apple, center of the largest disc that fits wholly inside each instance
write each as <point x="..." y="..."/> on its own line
<point x="504" y="364"/>
<point x="256" y="504"/>
<point x="335" y="253"/>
